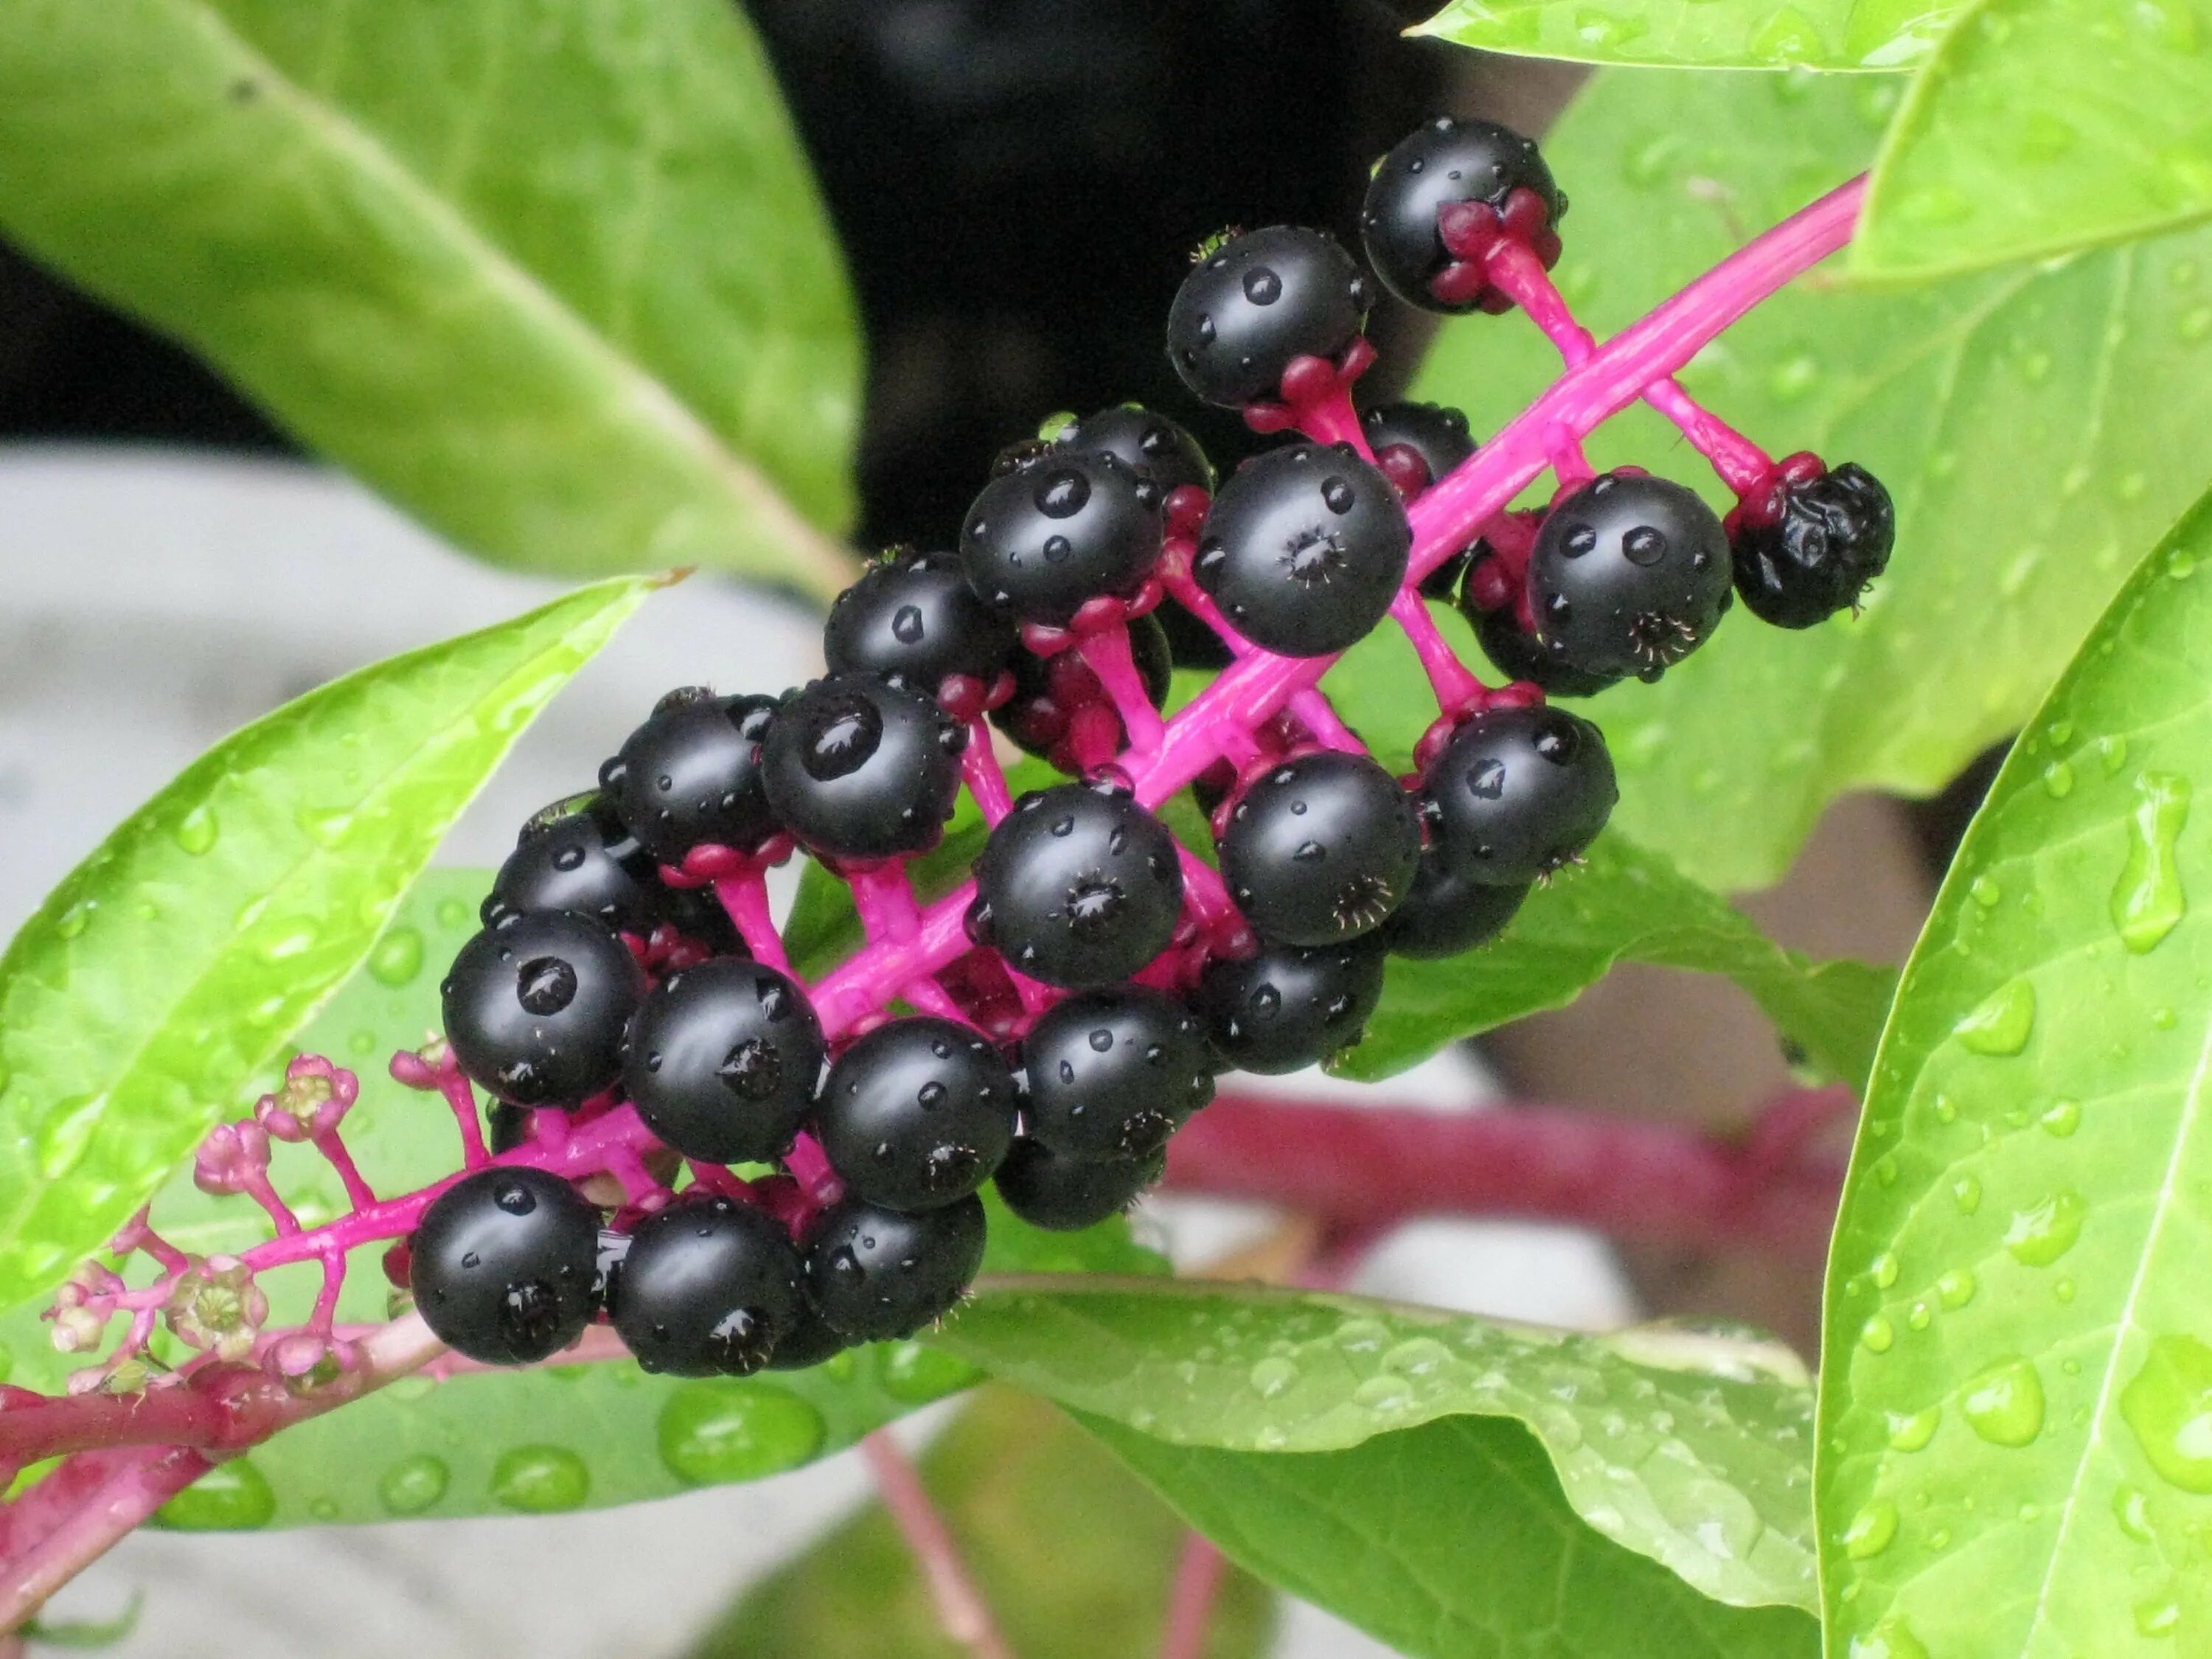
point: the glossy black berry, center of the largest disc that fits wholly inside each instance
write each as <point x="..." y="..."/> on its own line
<point x="809" y="1342"/>
<point x="1060" y="528"/>
<point x="536" y="1004"/>
<point x="1515" y="794"/>
<point x="1446" y="913"/>
<point x="577" y="855"/>
<point x="917" y="1113"/>
<point x="722" y="1060"/>
<point x="1061" y="1194"/>
<point x="1286" y="1007"/>
<point x="1445" y="161"/>
<point x="1150" y="444"/>
<point x="503" y="1265"/>
<point x="1079" y="886"/>
<point x="505" y="1127"/>
<point x="875" y="1273"/>
<point x="1832" y="538"/>
<point x="1321" y="849"/>
<point x="1515" y="655"/>
<point x="1113" y="1073"/>
<point x="1631" y="573"/>
<point x="1051" y="693"/>
<point x="690" y="776"/>
<point x="1304" y="549"/>
<point x="1436" y="436"/>
<point x="914" y="618"/>
<point x="858" y="768"/>
<point x="707" y="1286"/>
<point x="1260" y="300"/>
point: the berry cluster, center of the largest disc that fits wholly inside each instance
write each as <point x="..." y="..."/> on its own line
<point x="735" y="1168"/>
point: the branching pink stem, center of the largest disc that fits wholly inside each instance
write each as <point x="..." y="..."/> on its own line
<point x="960" y="1606"/>
<point x="744" y="901"/>
<point x="1106" y="652"/>
<point x="985" y="778"/>
<point x="1456" y="688"/>
<point x="359" y="1194"/>
<point x="454" y="1086"/>
<point x="1318" y="716"/>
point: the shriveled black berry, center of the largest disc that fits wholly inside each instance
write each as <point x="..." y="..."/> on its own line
<point x="1833" y="537"/>
<point x="1113" y="1074"/>
<point x="707" y="1286"/>
<point x="578" y="855"/>
<point x="1515" y="655"/>
<point x="721" y="1061"/>
<point x="1152" y="444"/>
<point x="858" y="768"/>
<point x="1443" y="161"/>
<point x="1631" y="573"/>
<point x="1285" y="1007"/>
<point x="875" y="1273"/>
<point x="690" y="776"/>
<point x="1446" y="913"/>
<point x="914" y="618"/>
<point x="1304" y="549"/>
<point x="917" y="1113"/>
<point x="1050" y="691"/>
<point x="1515" y="794"/>
<point x="1254" y="303"/>
<point x="503" y="1265"/>
<point x="1060" y="528"/>
<point x="1079" y="886"/>
<point x="1435" y="435"/>
<point x="1321" y="849"/>
<point x="1061" y="1194"/>
<point x="536" y="1004"/>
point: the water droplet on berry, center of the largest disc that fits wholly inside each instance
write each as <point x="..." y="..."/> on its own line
<point x="540" y="1480"/>
<point x="196" y="831"/>
<point x="2002" y="1023"/>
<point x="232" y="1496"/>
<point x="1262" y="287"/>
<point x="413" y="1485"/>
<point x="1062" y="493"/>
<point x="1337" y="495"/>
<point x="2148" y="901"/>
<point x="2004" y="1403"/>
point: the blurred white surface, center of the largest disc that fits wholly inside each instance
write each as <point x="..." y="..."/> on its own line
<point x="150" y="602"/>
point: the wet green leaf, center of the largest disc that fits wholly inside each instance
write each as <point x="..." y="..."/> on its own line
<point x="1758" y="35"/>
<point x="2018" y="1394"/>
<point x="2039" y="428"/>
<point x="552" y="274"/>
<point x="2043" y="126"/>
<point x="170" y="965"/>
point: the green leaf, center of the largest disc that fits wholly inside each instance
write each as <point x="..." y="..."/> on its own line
<point x="1448" y="1542"/>
<point x="168" y="967"/>
<point x="1074" y="1557"/>
<point x="2038" y="427"/>
<point x="1757" y="35"/>
<point x="552" y="274"/>
<point x="2015" y="1400"/>
<point x="2043" y="126"/>
<point x="1687" y="1446"/>
<point x="605" y="1432"/>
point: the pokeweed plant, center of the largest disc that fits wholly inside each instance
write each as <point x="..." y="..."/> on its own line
<point x="737" y="1192"/>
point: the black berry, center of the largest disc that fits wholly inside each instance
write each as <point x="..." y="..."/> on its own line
<point x="1304" y="549"/>
<point x="1446" y="913"/>
<point x="1059" y="528"/>
<point x="722" y="1061"/>
<point x="1429" y="434"/>
<point x="503" y="1265"/>
<point x="1321" y="849"/>
<point x="1516" y="793"/>
<point x="505" y="1127"/>
<point x="577" y="855"/>
<point x="1113" y="1073"/>
<point x="1257" y="301"/>
<point x="535" y="1006"/>
<point x="1286" y="1007"/>
<point x="1445" y="161"/>
<point x="1515" y="655"/>
<point x="690" y="776"/>
<point x="875" y="1273"/>
<point x="1079" y="886"/>
<point x="809" y="1342"/>
<point x="917" y="1113"/>
<point x="913" y="617"/>
<point x="1150" y="444"/>
<point x="1061" y="1194"/>
<point x="858" y="768"/>
<point x="1832" y="538"/>
<point x="1629" y="575"/>
<point x="706" y="1287"/>
<point x="1051" y="693"/>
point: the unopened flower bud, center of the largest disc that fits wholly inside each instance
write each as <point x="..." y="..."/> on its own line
<point x="77" y="1330"/>
<point x="231" y="1157"/>
<point x="314" y="1097"/>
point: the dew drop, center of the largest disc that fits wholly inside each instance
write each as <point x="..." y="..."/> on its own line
<point x="325" y="826"/>
<point x="910" y="1372"/>
<point x="2058" y="780"/>
<point x="720" y="1431"/>
<point x="2004" y="1403"/>
<point x="1911" y="1430"/>
<point x="397" y="958"/>
<point x="413" y="1485"/>
<point x="1956" y="1288"/>
<point x="2157" y="1616"/>
<point x="1272" y="1376"/>
<point x="65" y="1132"/>
<point x="2131" y="1510"/>
<point x="1883" y="1270"/>
<point x="2039" y="1237"/>
<point x="1967" y="1193"/>
<point x="1870" y="1530"/>
<point x="2001" y="1026"/>
<point x="2061" y="1118"/>
<point x="1985" y="892"/>
<point x="232" y="1496"/>
<point x="1877" y="1335"/>
<point x="196" y="831"/>
<point x="540" y="1480"/>
<point x="2147" y="900"/>
<point x="2167" y="1406"/>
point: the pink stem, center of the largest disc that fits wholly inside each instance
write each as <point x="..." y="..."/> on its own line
<point x="1318" y="716"/>
<point x="1456" y="688"/>
<point x="1199" y="1573"/>
<point x="810" y="1167"/>
<point x="135" y="1484"/>
<point x="960" y="1606"/>
<point x="744" y="899"/>
<point x="1106" y="652"/>
<point x="462" y="1099"/>
<point x="326" y="1298"/>
<point x="255" y="1182"/>
<point x="1332" y="419"/>
<point x="985" y="777"/>
<point x="1183" y="588"/>
<point x="358" y="1192"/>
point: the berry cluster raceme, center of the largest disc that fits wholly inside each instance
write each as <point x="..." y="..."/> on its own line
<point x="806" y="1161"/>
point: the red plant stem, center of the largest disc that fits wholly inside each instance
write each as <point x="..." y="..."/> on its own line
<point x="960" y="1606"/>
<point x="133" y="1485"/>
<point x="1199" y="1573"/>
<point x="985" y="778"/>
<point x="1107" y="653"/>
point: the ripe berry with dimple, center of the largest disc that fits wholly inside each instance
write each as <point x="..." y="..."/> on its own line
<point x="690" y="776"/>
<point x="1517" y="794"/>
<point x="1285" y="1007"/>
<point x="721" y="1061"/>
<point x="1514" y="653"/>
<point x="1833" y="537"/>
<point x="1113" y="1074"/>
<point x="1433" y="436"/>
<point x="1257" y="301"/>
<point x="1446" y="914"/>
<point x="578" y="856"/>
<point x="707" y="1287"/>
<point x="503" y="1263"/>
<point x="1079" y="886"/>
<point x="1063" y="1193"/>
<point x="1054" y="695"/>
<point x="1150" y="444"/>
<point x="536" y="1004"/>
<point x="913" y="617"/>
<point x="1304" y="549"/>
<point x="1321" y="849"/>
<point x="1445" y="162"/>
<point x="875" y="1273"/>
<point x="858" y="768"/>
<point x="917" y="1113"/>
<point x="1629" y="575"/>
<point x="1059" y="528"/>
